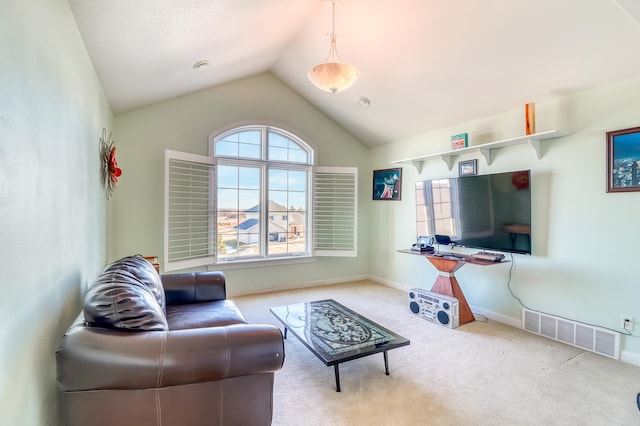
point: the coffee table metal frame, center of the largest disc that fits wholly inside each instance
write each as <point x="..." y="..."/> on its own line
<point x="297" y="318"/>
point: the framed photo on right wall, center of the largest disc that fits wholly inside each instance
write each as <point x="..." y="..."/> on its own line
<point x="623" y="160"/>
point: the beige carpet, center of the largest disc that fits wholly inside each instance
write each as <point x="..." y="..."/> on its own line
<point x="482" y="373"/>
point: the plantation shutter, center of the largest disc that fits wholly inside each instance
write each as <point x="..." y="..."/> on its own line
<point x="189" y="211"/>
<point x="335" y="211"/>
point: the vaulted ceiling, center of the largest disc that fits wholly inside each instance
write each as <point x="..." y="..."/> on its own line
<point x="424" y="64"/>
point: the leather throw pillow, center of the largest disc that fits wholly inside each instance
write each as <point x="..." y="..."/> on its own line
<point x="128" y="295"/>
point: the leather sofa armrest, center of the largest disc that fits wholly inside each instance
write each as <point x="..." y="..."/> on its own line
<point x="97" y="358"/>
<point x="194" y="287"/>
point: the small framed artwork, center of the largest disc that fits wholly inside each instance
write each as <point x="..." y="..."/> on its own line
<point x="387" y="184"/>
<point x="623" y="160"/>
<point x="468" y="168"/>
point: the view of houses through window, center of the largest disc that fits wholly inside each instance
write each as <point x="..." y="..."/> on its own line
<point x="239" y="231"/>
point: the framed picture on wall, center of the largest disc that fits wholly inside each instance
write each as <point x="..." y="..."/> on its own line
<point x="387" y="184"/>
<point x="623" y="160"/>
<point x="468" y="168"/>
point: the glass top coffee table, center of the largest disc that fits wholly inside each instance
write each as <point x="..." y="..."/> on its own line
<point x="336" y="334"/>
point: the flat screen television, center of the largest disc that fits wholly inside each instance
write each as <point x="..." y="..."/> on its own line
<point x="490" y="212"/>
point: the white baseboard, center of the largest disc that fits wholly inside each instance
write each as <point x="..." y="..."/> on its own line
<point x="630" y="358"/>
<point x="388" y="283"/>
<point x="504" y="319"/>
<point x="296" y="286"/>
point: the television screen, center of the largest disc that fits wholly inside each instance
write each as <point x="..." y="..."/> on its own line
<point x="489" y="212"/>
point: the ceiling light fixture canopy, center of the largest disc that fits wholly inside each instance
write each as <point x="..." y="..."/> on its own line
<point x="333" y="75"/>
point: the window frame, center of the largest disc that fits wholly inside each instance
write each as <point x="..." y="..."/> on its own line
<point x="265" y="165"/>
<point x="312" y="250"/>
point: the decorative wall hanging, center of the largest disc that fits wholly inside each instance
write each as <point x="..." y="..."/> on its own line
<point x="387" y="184"/>
<point x="109" y="171"/>
<point x="623" y="160"/>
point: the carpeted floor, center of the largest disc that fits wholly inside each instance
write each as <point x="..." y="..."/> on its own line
<point x="482" y="373"/>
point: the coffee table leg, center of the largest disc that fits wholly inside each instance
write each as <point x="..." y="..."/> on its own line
<point x="386" y="363"/>
<point x="337" y="372"/>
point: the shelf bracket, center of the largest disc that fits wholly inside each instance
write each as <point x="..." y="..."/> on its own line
<point x="535" y="144"/>
<point x="418" y="164"/>
<point x="448" y="159"/>
<point x="486" y="153"/>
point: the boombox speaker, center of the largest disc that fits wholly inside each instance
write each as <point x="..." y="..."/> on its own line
<point x="435" y="307"/>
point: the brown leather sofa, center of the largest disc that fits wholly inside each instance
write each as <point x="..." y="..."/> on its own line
<point x="170" y="350"/>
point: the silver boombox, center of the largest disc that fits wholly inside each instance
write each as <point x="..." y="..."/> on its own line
<point x="434" y="307"/>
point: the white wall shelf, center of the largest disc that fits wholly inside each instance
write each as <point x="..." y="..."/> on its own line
<point x="485" y="149"/>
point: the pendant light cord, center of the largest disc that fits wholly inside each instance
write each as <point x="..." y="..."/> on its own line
<point x="333" y="50"/>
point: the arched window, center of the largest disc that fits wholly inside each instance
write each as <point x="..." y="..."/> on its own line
<point x="257" y="196"/>
<point x="264" y="177"/>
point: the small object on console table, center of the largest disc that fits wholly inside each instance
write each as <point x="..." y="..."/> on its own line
<point x="488" y="256"/>
<point x="422" y="249"/>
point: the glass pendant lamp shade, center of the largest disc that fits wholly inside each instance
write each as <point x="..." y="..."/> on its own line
<point x="333" y="75"/>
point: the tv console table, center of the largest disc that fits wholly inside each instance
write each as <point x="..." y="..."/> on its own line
<point x="446" y="283"/>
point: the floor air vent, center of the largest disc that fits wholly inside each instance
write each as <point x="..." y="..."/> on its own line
<point x="594" y="339"/>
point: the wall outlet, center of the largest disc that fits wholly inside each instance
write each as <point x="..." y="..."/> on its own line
<point x="627" y="322"/>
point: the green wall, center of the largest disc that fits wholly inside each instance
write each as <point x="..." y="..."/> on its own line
<point x="184" y="124"/>
<point x="52" y="207"/>
<point x="585" y="241"/>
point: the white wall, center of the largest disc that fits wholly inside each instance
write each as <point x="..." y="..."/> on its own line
<point x="184" y="124"/>
<point x="52" y="207"/>
<point x="585" y="241"/>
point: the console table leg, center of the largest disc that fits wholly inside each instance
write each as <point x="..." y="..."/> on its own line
<point x="447" y="284"/>
<point x="337" y="372"/>
<point x="386" y="363"/>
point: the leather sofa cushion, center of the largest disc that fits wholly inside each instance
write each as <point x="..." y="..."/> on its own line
<point x="127" y="295"/>
<point x="206" y="314"/>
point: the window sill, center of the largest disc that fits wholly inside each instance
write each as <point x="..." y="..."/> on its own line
<point x="260" y="263"/>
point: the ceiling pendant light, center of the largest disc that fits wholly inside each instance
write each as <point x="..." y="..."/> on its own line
<point x="333" y="75"/>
